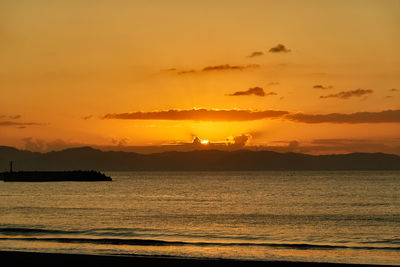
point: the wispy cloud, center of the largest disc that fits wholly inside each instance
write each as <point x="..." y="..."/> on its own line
<point x="39" y="145"/>
<point x="199" y="115"/>
<point x="349" y="94"/>
<point x="256" y="54"/>
<point x="12" y="121"/>
<point x="88" y="117"/>
<point x="119" y="141"/>
<point x="323" y="146"/>
<point x="229" y="67"/>
<point x="280" y="48"/>
<point x="186" y="72"/>
<point x="319" y="86"/>
<point x="12" y="117"/>
<point x="330" y="146"/>
<point x="257" y="91"/>
<point x="393" y="90"/>
<point x="216" y="68"/>
<point x="273" y="83"/>
<point x="18" y="124"/>
<point x="169" y="70"/>
<point x="386" y="116"/>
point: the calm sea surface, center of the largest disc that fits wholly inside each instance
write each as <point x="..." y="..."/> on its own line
<point x="350" y="217"/>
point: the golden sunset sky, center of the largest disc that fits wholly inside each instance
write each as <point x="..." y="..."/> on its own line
<point x="306" y="76"/>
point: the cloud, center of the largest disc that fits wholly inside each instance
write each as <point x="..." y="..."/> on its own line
<point x="335" y="146"/>
<point x="15" y="117"/>
<point x="293" y="145"/>
<point x="393" y="90"/>
<point x="257" y="91"/>
<point x="280" y="146"/>
<point x="186" y="72"/>
<point x="34" y="145"/>
<point x="214" y="68"/>
<point x="280" y="48"/>
<point x="12" y="117"/>
<point x="256" y="54"/>
<point x="39" y="145"/>
<point x="241" y="140"/>
<point x="199" y="115"/>
<point x="386" y="116"/>
<point x="273" y="83"/>
<point x="319" y="86"/>
<point x="231" y="143"/>
<point x="14" y="123"/>
<point x="119" y="141"/>
<point x="348" y="94"/>
<point x="229" y="67"/>
<point x="196" y="141"/>
<point x="87" y="117"/>
<point x="323" y="146"/>
<point x="342" y="141"/>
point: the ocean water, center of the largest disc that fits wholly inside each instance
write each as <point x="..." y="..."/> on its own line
<point x="342" y="216"/>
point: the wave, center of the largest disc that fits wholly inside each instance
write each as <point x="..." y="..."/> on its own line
<point x="154" y="242"/>
<point x="18" y="230"/>
<point x="94" y="232"/>
<point x="395" y="241"/>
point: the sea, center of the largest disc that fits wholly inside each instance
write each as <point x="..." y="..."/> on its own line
<point x="306" y="216"/>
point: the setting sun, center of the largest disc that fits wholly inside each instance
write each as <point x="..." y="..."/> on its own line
<point x="204" y="142"/>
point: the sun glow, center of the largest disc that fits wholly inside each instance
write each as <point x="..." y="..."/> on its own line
<point x="204" y="142"/>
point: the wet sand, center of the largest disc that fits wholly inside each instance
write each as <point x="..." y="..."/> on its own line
<point x="10" y="258"/>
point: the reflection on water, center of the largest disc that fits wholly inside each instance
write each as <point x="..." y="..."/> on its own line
<point x="308" y="216"/>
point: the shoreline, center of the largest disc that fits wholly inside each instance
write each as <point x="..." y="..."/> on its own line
<point x="17" y="258"/>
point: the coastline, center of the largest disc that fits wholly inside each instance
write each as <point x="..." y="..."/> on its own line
<point x="17" y="258"/>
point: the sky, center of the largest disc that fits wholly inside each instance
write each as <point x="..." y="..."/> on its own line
<point x="316" y="77"/>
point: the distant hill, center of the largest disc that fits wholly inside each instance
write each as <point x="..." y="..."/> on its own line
<point x="87" y="158"/>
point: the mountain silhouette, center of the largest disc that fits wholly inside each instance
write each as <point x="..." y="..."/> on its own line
<point x="87" y="158"/>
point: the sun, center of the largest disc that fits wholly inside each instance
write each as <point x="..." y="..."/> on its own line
<point x="204" y="142"/>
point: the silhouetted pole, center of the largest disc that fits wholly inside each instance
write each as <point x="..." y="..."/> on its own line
<point x="11" y="170"/>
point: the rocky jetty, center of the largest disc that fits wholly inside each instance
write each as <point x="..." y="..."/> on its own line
<point x="53" y="176"/>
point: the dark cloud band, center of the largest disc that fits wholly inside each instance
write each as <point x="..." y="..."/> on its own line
<point x="348" y="94"/>
<point x="386" y="116"/>
<point x="199" y="115"/>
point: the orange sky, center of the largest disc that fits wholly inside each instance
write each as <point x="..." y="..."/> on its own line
<point x="105" y="73"/>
